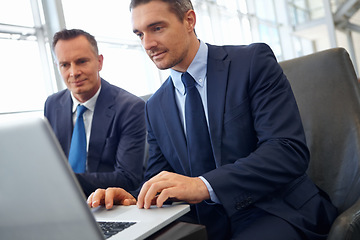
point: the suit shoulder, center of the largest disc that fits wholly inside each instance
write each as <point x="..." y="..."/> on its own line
<point x="235" y="50"/>
<point x="58" y="94"/>
<point x="118" y="97"/>
<point x="118" y="92"/>
<point x="55" y="97"/>
<point x="165" y="87"/>
<point x="252" y="53"/>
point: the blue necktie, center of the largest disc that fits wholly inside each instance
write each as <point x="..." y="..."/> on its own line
<point x="200" y="153"/>
<point x="77" y="154"/>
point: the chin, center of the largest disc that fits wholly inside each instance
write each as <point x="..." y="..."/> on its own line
<point x="162" y="66"/>
<point x="78" y="90"/>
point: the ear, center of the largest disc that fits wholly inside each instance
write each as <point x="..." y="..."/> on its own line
<point x="190" y="20"/>
<point x="101" y="60"/>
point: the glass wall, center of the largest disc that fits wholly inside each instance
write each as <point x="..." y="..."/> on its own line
<point x="307" y="10"/>
<point x="25" y="82"/>
<point x="28" y="72"/>
<point x="125" y="63"/>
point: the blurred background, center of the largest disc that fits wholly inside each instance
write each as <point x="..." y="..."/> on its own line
<point x="292" y="28"/>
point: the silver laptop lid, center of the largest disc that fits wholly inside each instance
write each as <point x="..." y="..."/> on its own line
<point x="39" y="194"/>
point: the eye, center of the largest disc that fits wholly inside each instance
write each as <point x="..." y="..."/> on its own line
<point x="63" y="65"/>
<point x="157" y="29"/>
<point x="82" y="61"/>
<point x="140" y="35"/>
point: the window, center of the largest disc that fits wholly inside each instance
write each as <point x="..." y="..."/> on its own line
<point x="125" y="62"/>
<point x="24" y="82"/>
<point x="11" y="13"/>
<point x="28" y="74"/>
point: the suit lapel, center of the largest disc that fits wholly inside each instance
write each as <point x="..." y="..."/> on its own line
<point x="217" y="77"/>
<point x="170" y="114"/>
<point x="102" y="119"/>
<point x="64" y="116"/>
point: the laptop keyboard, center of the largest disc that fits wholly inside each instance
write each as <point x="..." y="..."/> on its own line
<point x="111" y="228"/>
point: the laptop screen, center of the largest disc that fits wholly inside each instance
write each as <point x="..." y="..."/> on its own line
<point x="40" y="196"/>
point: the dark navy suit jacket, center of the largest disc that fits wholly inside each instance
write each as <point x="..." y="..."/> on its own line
<point x="117" y="139"/>
<point x="257" y="139"/>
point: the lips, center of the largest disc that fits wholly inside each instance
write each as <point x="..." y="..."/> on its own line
<point x="77" y="82"/>
<point x="157" y="55"/>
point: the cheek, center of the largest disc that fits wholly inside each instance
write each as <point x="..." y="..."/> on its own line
<point x="64" y="76"/>
<point x="63" y="72"/>
<point x="178" y="45"/>
<point x="148" y="52"/>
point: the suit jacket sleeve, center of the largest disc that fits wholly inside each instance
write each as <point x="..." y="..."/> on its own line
<point x="117" y="159"/>
<point x="263" y="146"/>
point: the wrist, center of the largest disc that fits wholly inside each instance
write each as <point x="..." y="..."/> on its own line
<point x="202" y="189"/>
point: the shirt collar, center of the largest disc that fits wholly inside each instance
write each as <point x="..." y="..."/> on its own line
<point x="197" y="69"/>
<point x="89" y="104"/>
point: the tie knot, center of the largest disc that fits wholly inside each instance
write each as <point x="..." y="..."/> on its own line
<point x="187" y="80"/>
<point x="80" y="110"/>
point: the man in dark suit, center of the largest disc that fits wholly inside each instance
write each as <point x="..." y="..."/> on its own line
<point x="114" y="119"/>
<point x="257" y="187"/>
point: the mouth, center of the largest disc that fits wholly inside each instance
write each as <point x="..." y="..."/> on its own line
<point x="77" y="82"/>
<point x="158" y="55"/>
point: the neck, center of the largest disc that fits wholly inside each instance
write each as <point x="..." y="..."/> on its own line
<point x="191" y="53"/>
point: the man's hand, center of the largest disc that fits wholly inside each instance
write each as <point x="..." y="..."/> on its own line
<point x="167" y="185"/>
<point x="109" y="197"/>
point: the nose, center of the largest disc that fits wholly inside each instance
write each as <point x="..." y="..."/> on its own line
<point x="74" y="71"/>
<point x="148" y="42"/>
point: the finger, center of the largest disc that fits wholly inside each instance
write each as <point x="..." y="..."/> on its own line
<point x="128" y="202"/>
<point x="165" y="194"/>
<point x="141" y="196"/>
<point x="118" y="196"/>
<point x="153" y="192"/>
<point x="145" y="199"/>
<point x="89" y="200"/>
<point x="124" y="197"/>
<point x="98" y="197"/>
<point x="109" y="197"/>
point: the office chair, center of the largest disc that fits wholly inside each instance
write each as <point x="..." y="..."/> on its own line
<point x="328" y="95"/>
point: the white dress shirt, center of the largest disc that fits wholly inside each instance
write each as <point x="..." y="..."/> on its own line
<point x="88" y="114"/>
<point x="197" y="70"/>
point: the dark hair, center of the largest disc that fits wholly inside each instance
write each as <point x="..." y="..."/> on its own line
<point x="178" y="7"/>
<point x="67" y="34"/>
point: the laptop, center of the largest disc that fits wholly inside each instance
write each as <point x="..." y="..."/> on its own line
<point x="40" y="197"/>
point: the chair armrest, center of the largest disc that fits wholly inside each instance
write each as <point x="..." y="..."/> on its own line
<point x="347" y="224"/>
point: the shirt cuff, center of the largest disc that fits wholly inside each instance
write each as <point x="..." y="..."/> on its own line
<point x="213" y="196"/>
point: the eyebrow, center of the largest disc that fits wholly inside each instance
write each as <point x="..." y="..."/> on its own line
<point x="149" y="26"/>
<point x="61" y="62"/>
<point x="76" y="60"/>
<point x="82" y="59"/>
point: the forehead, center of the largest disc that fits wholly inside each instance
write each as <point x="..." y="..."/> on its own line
<point x="71" y="47"/>
<point x="146" y="14"/>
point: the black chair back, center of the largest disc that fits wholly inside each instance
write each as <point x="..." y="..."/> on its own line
<point x="328" y="96"/>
